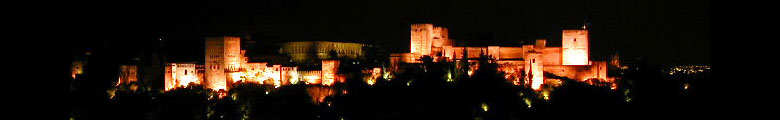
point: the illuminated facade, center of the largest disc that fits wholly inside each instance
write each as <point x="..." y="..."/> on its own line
<point x="427" y="39"/>
<point x="223" y="55"/>
<point x="226" y="64"/>
<point x="575" y="47"/>
<point x="127" y="74"/>
<point x="571" y="60"/>
<point x="315" y="51"/>
<point x="177" y="75"/>
<point x="329" y="70"/>
<point x="534" y="70"/>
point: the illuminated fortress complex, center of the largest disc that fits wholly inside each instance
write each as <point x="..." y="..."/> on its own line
<point x="571" y="60"/>
<point x="226" y="63"/>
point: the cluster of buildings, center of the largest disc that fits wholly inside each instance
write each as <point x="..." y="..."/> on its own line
<point x="523" y="65"/>
<point x="226" y="63"/>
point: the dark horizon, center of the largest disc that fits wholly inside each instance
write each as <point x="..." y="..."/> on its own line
<point x="663" y="32"/>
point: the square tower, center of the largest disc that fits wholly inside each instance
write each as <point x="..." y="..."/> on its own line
<point x="329" y="70"/>
<point x="421" y="39"/>
<point x="575" y="47"/>
<point x="223" y="54"/>
<point x="534" y="69"/>
<point x="427" y="39"/>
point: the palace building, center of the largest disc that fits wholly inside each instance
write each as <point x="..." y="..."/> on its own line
<point x="571" y="60"/>
<point x="226" y="63"/>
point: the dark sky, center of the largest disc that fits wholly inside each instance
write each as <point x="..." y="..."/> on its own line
<point x="661" y="31"/>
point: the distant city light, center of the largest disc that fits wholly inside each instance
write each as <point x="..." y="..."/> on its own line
<point x="693" y="69"/>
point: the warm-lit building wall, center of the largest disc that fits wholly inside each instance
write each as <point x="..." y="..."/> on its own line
<point x="201" y="72"/>
<point x="329" y="71"/>
<point x="289" y="75"/>
<point x="440" y="39"/>
<point x="575" y="47"/>
<point x="494" y="51"/>
<point x="474" y="52"/>
<point x="572" y="57"/>
<point x="580" y="72"/>
<point x="527" y="48"/>
<point x="185" y="74"/>
<point x="510" y="52"/>
<point x="181" y="74"/>
<point x="453" y="52"/>
<point x="311" y="77"/>
<point x="552" y="55"/>
<point x="448" y="52"/>
<point x="410" y="58"/>
<point x="497" y="52"/>
<point x="222" y="54"/>
<point x="314" y="51"/>
<point x="421" y="38"/>
<point x="127" y="74"/>
<point x="534" y="69"/>
<point x="255" y="72"/>
<point x="233" y="56"/>
<point x="169" y="82"/>
<point x="601" y="69"/>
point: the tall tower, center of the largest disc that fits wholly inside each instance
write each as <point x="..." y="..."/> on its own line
<point x="223" y="54"/>
<point x="421" y="39"/>
<point x="575" y="47"/>
<point x="534" y="69"/>
<point x="329" y="70"/>
<point x="440" y="39"/>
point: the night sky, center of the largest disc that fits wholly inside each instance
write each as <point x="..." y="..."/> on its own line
<point x="660" y="31"/>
